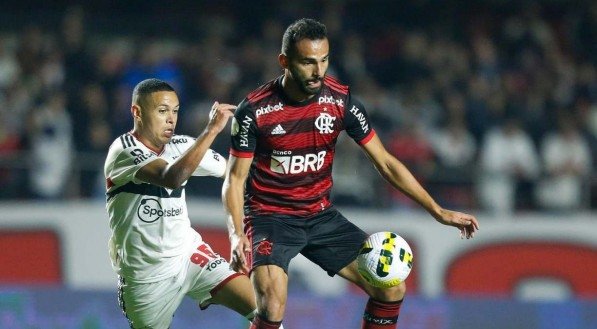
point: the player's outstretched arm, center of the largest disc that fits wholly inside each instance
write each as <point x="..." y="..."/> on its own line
<point x="159" y="172"/>
<point x="233" y="198"/>
<point x="402" y="179"/>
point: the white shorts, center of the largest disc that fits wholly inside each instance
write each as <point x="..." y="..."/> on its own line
<point x="152" y="305"/>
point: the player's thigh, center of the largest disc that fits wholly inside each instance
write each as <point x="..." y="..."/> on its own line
<point x="270" y="281"/>
<point x="237" y="294"/>
<point x="333" y="241"/>
<point x="150" y="305"/>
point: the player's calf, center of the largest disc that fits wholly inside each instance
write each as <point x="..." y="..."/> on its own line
<point x="383" y="307"/>
<point x="381" y="315"/>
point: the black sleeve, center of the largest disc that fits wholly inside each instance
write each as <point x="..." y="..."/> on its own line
<point x="356" y="121"/>
<point x="243" y="131"/>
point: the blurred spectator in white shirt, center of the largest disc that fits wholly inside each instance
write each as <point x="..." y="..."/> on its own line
<point x="51" y="148"/>
<point x="9" y="67"/>
<point x="453" y="144"/>
<point x="508" y="158"/>
<point x="567" y="161"/>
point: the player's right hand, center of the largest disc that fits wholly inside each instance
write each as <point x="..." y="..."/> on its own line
<point x="219" y="115"/>
<point x="467" y="224"/>
<point x="240" y="248"/>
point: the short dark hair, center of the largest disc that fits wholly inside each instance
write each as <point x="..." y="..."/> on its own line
<point x="304" y="28"/>
<point x="149" y="86"/>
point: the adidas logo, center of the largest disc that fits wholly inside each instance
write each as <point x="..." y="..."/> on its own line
<point x="278" y="130"/>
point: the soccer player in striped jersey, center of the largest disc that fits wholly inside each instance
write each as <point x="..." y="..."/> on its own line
<point x="277" y="188"/>
<point x="157" y="255"/>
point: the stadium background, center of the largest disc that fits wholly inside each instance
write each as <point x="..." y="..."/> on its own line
<point x="443" y="82"/>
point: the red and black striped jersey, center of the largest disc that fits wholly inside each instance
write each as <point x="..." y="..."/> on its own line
<point x="293" y="145"/>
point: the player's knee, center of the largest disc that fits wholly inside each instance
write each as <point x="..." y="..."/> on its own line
<point x="389" y="294"/>
<point x="270" y="303"/>
<point x="272" y="309"/>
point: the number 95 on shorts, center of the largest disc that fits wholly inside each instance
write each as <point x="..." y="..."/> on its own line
<point x="152" y="305"/>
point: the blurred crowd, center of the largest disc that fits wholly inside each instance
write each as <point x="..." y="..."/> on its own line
<point x="491" y="104"/>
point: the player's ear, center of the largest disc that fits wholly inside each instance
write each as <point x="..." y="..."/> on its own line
<point x="136" y="111"/>
<point x="283" y="60"/>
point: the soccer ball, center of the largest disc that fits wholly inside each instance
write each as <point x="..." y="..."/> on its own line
<point x="385" y="259"/>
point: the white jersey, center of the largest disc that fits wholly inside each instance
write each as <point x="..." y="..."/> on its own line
<point x="150" y="224"/>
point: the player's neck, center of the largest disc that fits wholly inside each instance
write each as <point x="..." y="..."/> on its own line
<point x="146" y="140"/>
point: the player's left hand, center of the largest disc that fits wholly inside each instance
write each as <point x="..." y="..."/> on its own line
<point x="240" y="247"/>
<point x="219" y="115"/>
<point x="467" y="224"/>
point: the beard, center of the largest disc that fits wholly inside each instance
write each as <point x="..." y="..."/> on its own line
<point x="303" y="84"/>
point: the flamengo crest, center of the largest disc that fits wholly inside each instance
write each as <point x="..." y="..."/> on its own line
<point x="325" y="123"/>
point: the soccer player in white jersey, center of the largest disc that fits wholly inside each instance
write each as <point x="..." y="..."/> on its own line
<point x="157" y="255"/>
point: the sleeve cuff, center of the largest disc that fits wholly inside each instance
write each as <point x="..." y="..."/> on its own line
<point x="367" y="138"/>
<point x="241" y="154"/>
